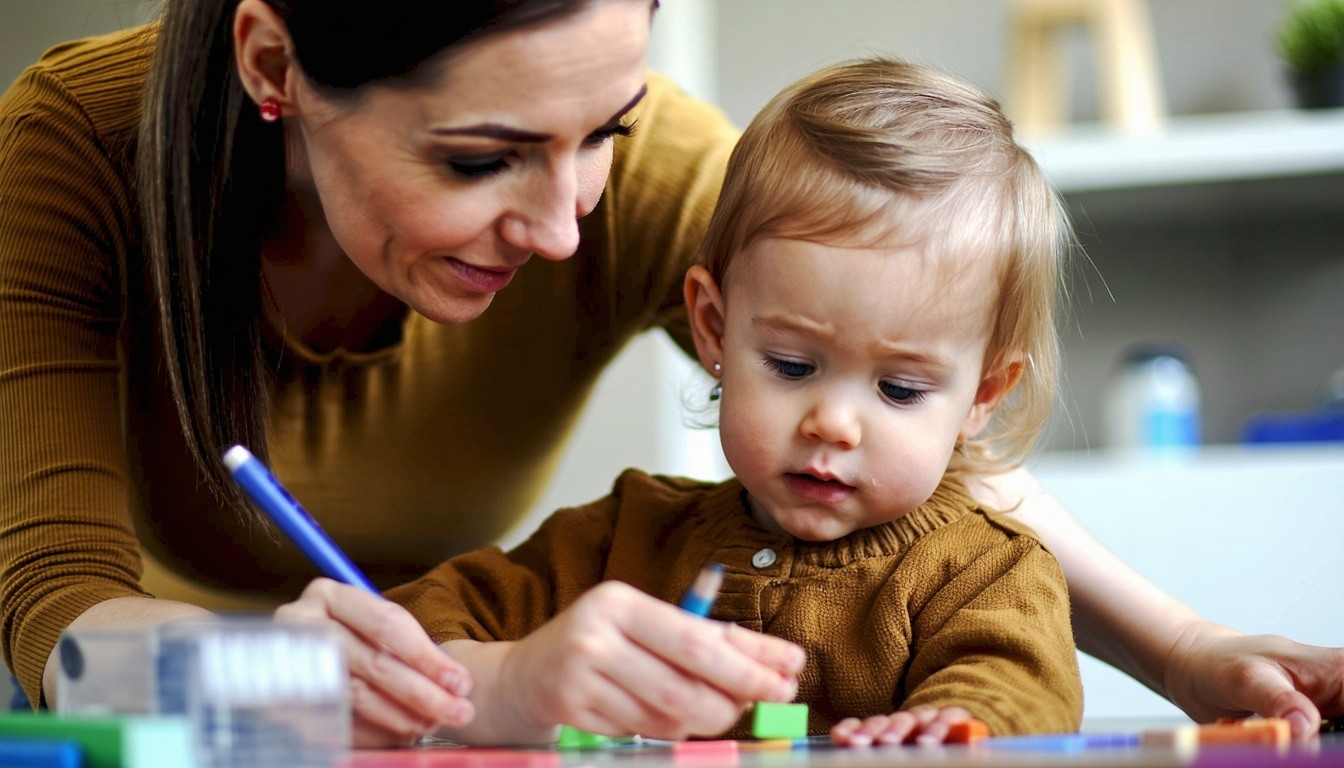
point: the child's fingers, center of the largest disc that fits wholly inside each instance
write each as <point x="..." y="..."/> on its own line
<point x="897" y="730"/>
<point x="747" y="666"/>
<point x="675" y="703"/>
<point x="934" y="731"/>
<point x="773" y="652"/>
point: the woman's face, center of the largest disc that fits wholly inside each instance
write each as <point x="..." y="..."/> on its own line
<point x="440" y="193"/>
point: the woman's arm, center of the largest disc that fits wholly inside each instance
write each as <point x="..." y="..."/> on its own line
<point x="119" y="612"/>
<point x="1206" y="669"/>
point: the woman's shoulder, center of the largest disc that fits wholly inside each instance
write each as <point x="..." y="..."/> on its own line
<point x="101" y="78"/>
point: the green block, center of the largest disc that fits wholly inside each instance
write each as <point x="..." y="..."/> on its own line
<point x="111" y="742"/>
<point x="779" y="721"/>
<point x="573" y="738"/>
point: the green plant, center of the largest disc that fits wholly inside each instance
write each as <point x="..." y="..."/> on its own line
<point x="1311" y="37"/>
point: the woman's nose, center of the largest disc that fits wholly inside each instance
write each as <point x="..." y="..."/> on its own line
<point x="545" y="220"/>
<point x="832" y="421"/>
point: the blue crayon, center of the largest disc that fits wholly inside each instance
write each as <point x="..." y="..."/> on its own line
<point x="39" y="753"/>
<point x="700" y="597"/>
<point x="262" y="487"/>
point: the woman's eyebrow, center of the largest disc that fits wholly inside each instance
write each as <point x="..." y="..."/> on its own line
<point x="520" y="136"/>
<point x="629" y="105"/>
<point x="495" y="131"/>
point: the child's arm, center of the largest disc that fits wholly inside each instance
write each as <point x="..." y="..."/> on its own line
<point x="619" y="661"/>
<point x="995" y="640"/>
<point x="1207" y="670"/>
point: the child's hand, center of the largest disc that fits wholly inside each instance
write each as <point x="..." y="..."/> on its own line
<point x="921" y="725"/>
<point x="619" y="661"/>
<point x="402" y="686"/>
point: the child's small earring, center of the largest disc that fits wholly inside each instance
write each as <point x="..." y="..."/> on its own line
<point x="716" y="393"/>
<point x="269" y="109"/>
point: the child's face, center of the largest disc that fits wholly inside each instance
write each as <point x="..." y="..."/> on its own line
<point x="848" y="376"/>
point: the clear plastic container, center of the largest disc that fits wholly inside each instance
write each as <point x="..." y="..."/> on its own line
<point x="1153" y="401"/>
<point x="257" y="693"/>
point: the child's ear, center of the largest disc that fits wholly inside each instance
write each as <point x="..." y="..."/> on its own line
<point x="704" y="306"/>
<point x="999" y="380"/>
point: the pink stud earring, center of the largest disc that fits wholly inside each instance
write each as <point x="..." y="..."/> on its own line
<point x="269" y="109"/>
<point x="716" y="393"/>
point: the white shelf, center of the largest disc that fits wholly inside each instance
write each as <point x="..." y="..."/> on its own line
<point x="1196" y="148"/>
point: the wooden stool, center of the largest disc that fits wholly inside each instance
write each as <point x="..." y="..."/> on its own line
<point x="1131" y="94"/>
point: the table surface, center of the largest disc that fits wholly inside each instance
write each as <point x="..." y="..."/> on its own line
<point x="1328" y="752"/>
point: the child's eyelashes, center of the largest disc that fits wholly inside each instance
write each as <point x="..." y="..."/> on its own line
<point x="900" y="394"/>
<point x="789" y="369"/>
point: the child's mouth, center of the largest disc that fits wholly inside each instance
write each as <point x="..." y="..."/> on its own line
<point x="814" y="488"/>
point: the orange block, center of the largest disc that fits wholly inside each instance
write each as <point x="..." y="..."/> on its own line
<point x="1269" y="731"/>
<point x="968" y="732"/>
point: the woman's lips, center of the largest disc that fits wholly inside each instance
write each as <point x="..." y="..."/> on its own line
<point x="815" y="489"/>
<point x="480" y="279"/>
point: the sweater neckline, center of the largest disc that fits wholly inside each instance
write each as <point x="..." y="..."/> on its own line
<point x="727" y="515"/>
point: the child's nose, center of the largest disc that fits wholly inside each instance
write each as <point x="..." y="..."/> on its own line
<point x="832" y="421"/>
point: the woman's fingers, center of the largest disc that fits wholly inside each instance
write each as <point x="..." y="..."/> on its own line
<point x="402" y="685"/>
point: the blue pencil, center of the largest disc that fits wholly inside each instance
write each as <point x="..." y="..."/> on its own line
<point x="262" y="487"/>
<point x="700" y="597"/>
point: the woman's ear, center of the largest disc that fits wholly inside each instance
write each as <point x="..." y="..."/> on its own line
<point x="998" y="381"/>
<point x="704" y="306"/>
<point x="264" y="53"/>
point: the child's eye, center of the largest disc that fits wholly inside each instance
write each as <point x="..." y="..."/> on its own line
<point x="900" y="394"/>
<point x="789" y="369"/>
<point x="601" y="135"/>
<point x="477" y="167"/>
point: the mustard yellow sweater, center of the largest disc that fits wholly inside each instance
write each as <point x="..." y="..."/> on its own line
<point x="949" y="605"/>
<point x="433" y="446"/>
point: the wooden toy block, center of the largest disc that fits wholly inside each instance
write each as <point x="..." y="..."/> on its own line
<point x="111" y="742"/>
<point x="779" y="721"/>
<point x="968" y="732"/>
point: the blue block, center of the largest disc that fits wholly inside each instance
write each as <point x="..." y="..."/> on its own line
<point x="1067" y="743"/>
<point x="39" y="753"/>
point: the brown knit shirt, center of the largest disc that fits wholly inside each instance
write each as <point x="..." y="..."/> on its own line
<point x="949" y="605"/>
<point x="434" y="445"/>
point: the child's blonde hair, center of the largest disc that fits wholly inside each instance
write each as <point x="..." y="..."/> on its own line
<point x="878" y="140"/>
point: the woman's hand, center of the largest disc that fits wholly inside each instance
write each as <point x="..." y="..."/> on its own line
<point x="402" y="686"/>
<point x="920" y="725"/>
<point x="1217" y="672"/>
<point x="619" y="661"/>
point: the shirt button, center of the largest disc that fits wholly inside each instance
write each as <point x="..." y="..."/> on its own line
<point x="764" y="558"/>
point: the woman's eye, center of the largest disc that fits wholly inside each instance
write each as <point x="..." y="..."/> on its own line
<point x="600" y="136"/>
<point x="789" y="369"/>
<point x="900" y="394"/>
<point x="476" y="167"/>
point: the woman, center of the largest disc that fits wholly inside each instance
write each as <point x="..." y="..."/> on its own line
<point x="276" y="235"/>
